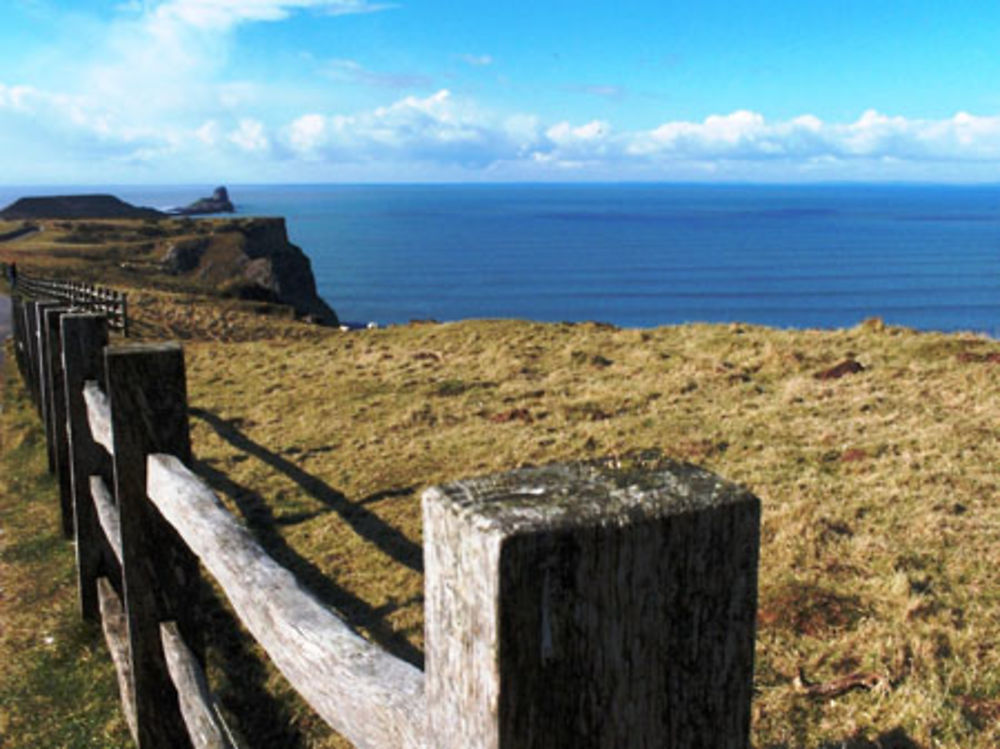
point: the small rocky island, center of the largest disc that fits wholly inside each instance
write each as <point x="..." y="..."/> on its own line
<point x="219" y="202"/>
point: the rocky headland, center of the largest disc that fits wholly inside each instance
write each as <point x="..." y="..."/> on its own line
<point x="102" y="239"/>
<point x="251" y="259"/>
<point x="218" y="202"/>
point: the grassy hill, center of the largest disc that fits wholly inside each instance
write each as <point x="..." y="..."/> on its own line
<point x="881" y="525"/>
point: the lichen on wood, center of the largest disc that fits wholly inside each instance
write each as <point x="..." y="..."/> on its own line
<point x="587" y="605"/>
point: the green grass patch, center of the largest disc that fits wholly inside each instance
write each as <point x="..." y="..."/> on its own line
<point x="57" y="685"/>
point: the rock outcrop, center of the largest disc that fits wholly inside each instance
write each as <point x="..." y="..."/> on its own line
<point x="218" y="203"/>
<point x="75" y="206"/>
<point x="252" y="259"/>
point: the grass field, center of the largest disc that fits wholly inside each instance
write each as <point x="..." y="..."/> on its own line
<point x="881" y="527"/>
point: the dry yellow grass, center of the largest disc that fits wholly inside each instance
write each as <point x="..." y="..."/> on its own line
<point x="881" y="528"/>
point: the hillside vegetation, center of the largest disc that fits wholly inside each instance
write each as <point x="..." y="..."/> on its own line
<point x="246" y="262"/>
<point x="881" y="526"/>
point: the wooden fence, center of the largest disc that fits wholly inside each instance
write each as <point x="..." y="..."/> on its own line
<point x="566" y="606"/>
<point x="108" y="302"/>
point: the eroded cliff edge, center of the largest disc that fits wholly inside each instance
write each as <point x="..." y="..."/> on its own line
<point x="250" y="258"/>
<point x="104" y="240"/>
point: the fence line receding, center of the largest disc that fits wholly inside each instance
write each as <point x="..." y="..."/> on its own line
<point x="579" y="605"/>
<point x="87" y="297"/>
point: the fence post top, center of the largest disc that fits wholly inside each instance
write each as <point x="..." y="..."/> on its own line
<point x="79" y="315"/>
<point x="140" y="349"/>
<point x="568" y="495"/>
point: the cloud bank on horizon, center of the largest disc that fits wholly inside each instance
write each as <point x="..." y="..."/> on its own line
<point x="357" y="90"/>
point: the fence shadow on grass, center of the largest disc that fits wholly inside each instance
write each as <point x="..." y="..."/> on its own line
<point x="897" y="738"/>
<point x="363" y="521"/>
<point x="358" y="613"/>
<point x="242" y="689"/>
<point x="894" y="739"/>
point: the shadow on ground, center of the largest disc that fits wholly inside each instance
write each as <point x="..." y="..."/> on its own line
<point x="897" y="738"/>
<point x="242" y="689"/>
<point x="245" y="694"/>
<point x="260" y="519"/>
<point x="363" y="521"/>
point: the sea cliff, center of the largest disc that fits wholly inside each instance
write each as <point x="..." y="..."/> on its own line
<point x="251" y="259"/>
<point x="101" y="239"/>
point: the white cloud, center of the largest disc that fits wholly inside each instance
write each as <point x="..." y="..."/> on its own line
<point x="438" y="128"/>
<point x="740" y="130"/>
<point x="347" y="7"/>
<point x="307" y="134"/>
<point x="564" y="134"/>
<point x="18" y="98"/>
<point x="251" y="136"/>
<point x="209" y="133"/>
<point x="524" y="130"/>
<point x="183" y="119"/>
<point x="748" y="136"/>
<point x="218" y="15"/>
<point x="69" y="116"/>
<point x="167" y="59"/>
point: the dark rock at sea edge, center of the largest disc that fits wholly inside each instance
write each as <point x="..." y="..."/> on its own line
<point x="252" y="259"/>
<point x="219" y="202"/>
<point x="75" y="207"/>
<point x="283" y="269"/>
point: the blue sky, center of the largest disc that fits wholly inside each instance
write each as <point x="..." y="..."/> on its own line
<point x="190" y="91"/>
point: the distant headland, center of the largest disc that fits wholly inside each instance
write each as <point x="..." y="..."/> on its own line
<point x="246" y="258"/>
<point x="75" y="207"/>
<point x="108" y="207"/>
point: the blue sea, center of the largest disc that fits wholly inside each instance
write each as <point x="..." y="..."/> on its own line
<point x="638" y="255"/>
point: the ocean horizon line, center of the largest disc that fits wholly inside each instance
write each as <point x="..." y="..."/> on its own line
<point x="204" y="184"/>
<point x="638" y="254"/>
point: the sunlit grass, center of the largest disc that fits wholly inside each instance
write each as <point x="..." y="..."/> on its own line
<point x="881" y="527"/>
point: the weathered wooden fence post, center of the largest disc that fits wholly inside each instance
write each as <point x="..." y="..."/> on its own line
<point x="17" y="324"/>
<point x="31" y="343"/>
<point x="147" y="392"/>
<point x="586" y="607"/>
<point x="84" y="337"/>
<point x="44" y="381"/>
<point x="56" y="389"/>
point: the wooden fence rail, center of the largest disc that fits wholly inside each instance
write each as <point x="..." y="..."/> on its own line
<point x="84" y="296"/>
<point x="579" y="605"/>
